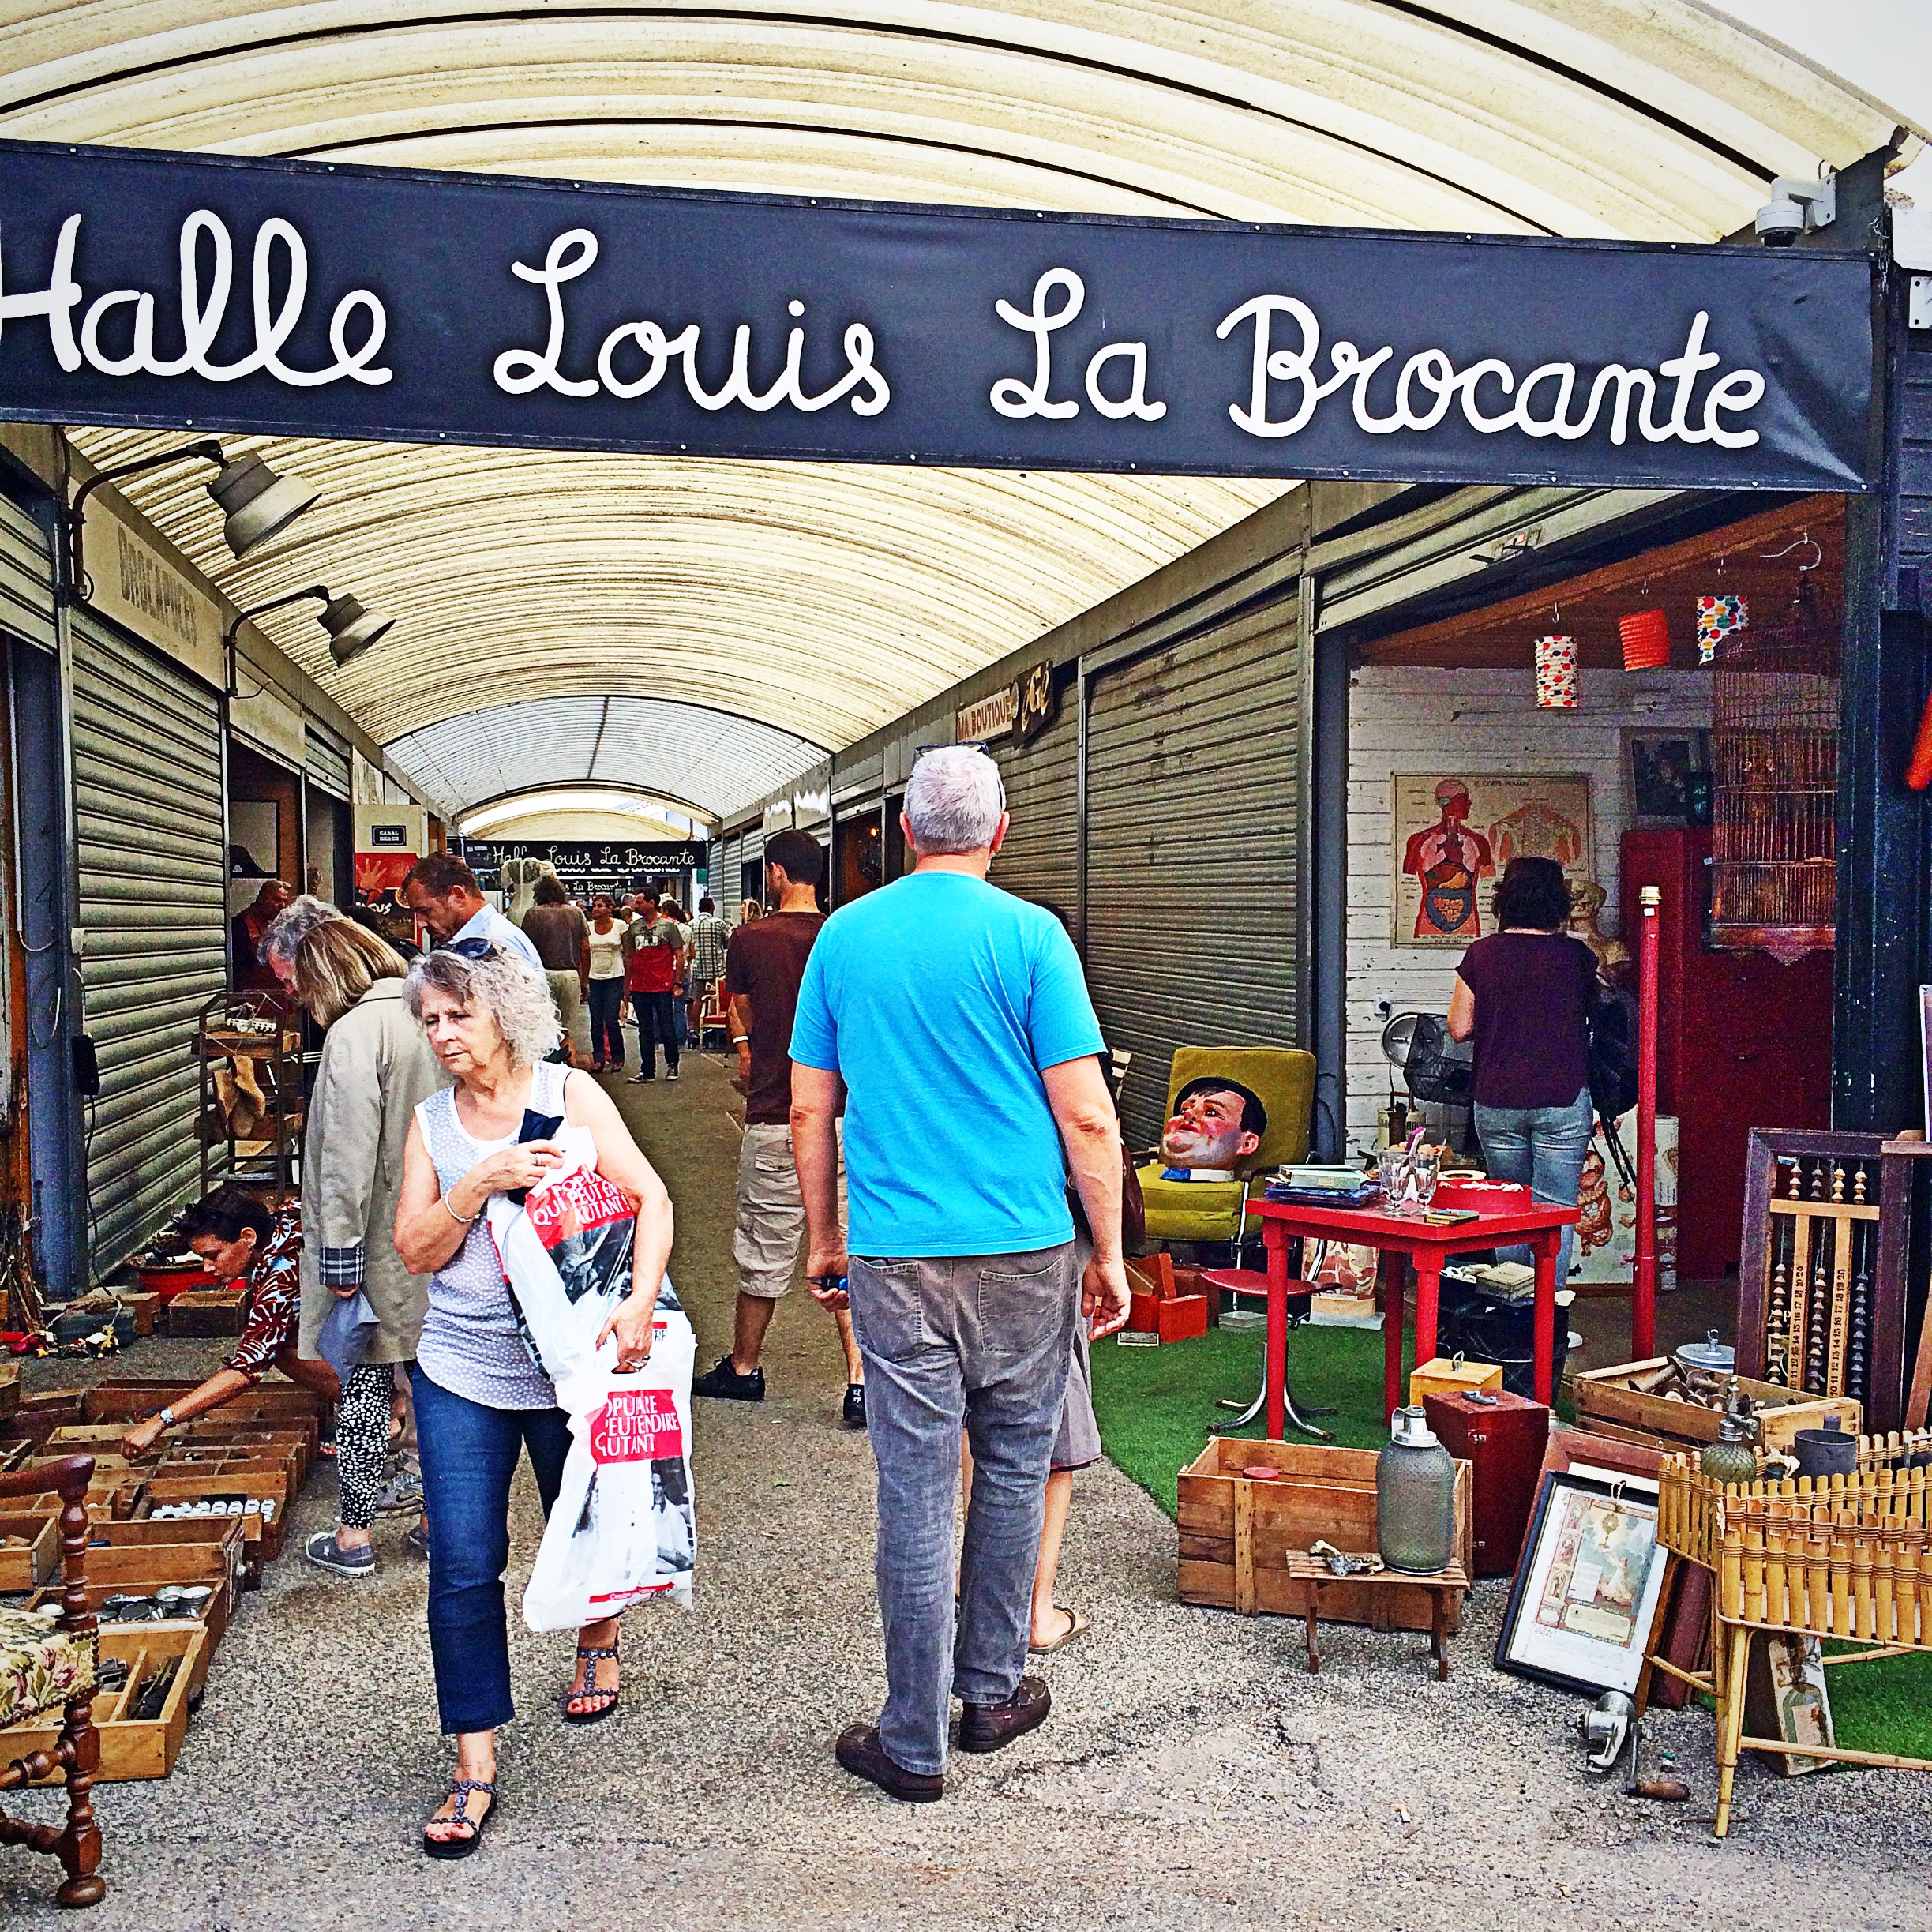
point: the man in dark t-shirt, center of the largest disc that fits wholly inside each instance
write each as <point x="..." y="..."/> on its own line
<point x="764" y="965"/>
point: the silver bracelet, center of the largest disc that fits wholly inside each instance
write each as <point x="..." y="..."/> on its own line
<point x="460" y="1220"/>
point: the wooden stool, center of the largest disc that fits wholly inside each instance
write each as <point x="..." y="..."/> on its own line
<point x="1445" y="1588"/>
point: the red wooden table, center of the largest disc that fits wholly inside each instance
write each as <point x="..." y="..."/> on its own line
<point x="1425" y="1247"/>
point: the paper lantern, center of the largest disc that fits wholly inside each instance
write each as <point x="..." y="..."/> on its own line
<point x="1717" y="617"/>
<point x="1556" y="673"/>
<point x="1646" y="638"/>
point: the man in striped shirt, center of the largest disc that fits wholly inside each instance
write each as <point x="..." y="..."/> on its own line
<point x="705" y="960"/>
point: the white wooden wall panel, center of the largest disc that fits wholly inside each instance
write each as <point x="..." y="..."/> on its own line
<point x="1403" y="718"/>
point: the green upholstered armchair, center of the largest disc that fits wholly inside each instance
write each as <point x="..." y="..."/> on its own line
<point x="1207" y="1210"/>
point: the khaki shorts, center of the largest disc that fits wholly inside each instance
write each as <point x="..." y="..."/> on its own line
<point x="770" y="1236"/>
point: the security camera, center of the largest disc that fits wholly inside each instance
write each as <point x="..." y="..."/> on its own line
<point x="1796" y="208"/>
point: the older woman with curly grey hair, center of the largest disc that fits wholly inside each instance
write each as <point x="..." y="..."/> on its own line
<point x="481" y="1399"/>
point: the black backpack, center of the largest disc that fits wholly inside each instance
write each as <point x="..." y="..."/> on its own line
<point x="1613" y="1067"/>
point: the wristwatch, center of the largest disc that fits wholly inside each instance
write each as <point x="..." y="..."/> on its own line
<point x="165" y="1417"/>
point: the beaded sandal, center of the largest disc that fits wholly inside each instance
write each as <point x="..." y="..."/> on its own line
<point x="459" y="1789"/>
<point x="590" y="1655"/>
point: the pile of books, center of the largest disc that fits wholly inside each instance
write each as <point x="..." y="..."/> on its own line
<point x="1325" y="1187"/>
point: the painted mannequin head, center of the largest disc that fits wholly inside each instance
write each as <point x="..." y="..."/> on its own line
<point x="1216" y="1123"/>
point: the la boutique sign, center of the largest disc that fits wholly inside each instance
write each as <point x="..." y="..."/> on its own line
<point x="216" y="293"/>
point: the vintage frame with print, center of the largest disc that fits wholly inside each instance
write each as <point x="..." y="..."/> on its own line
<point x="1659" y="764"/>
<point x="1453" y="833"/>
<point x="1587" y="1592"/>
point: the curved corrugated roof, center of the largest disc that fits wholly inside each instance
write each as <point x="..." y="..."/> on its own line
<point x="824" y="601"/>
<point x="687" y="755"/>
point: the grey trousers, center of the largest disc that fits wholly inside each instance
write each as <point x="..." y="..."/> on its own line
<point x="981" y="1341"/>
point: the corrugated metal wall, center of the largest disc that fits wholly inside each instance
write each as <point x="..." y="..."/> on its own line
<point x="147" y="758"/>
<point x="1040" y="860"/>
<point x="327" y="761"/>
<point x="26" y="577"/>
<point x="1195" y="830"/>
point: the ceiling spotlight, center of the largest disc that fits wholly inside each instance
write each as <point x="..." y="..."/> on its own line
<point x="350" y="627"/>
<point x="256" y="503"/>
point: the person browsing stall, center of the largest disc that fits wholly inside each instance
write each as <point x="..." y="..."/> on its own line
<point x="950" y="1023"/>
<point x="1524" y="996"/>
<point x="239" y="1238"/>
<point x="442" y="892"/>
<point x="482" y="1401"/>
<point x="764" y="966"/>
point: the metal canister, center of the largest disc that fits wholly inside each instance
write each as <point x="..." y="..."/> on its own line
<point x="1415" y="1497"/>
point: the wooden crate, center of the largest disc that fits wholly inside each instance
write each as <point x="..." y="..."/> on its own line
<point x="9" y="1390"/>
<point x="1606" y="1401"/>
<point x="129" y="1747"/>
<point x="132" y="1399"/>
<point x="139" y="1571"/>
<point x="1237" y="1535"/>
<point x="29" y="1551"/>
<point x="144" y="1305"/>
<point x="208" y="1311"/>
<point x="114" y="1490"/>
<point x="263" y="1538"/>
<point x="296" y="1449"/>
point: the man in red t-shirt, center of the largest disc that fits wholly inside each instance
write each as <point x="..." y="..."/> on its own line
<point x="653" y="957"/>
<point x="764" y="965"/>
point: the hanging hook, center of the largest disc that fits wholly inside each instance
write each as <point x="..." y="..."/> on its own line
<point x="1818" y="551"/>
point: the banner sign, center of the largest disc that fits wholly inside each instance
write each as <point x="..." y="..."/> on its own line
<point x="588" y="862"/>
<point x="1020" y="711"/>
<point x="217" y="292"/>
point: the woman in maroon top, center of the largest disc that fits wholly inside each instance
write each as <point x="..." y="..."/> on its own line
<point x="1524" y="996"/>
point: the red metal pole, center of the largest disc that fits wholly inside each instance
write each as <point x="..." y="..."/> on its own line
<point x="1643" y="1304"/>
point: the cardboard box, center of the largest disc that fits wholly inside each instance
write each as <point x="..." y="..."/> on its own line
<point x="1450" y="1375"/>
<point x="1237" y="1533"/>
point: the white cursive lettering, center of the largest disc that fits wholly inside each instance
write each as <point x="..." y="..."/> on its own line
<point x="1012" y="397"/>
<point x="202" y="315"/>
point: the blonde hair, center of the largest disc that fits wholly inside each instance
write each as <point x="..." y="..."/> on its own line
<point x="336" y="962"/>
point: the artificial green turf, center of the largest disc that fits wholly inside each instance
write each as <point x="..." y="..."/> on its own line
<point x="1158" y="1406"/>
<point x="1885" y="1705"/>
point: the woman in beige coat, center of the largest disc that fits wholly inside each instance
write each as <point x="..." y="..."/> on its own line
<point x="375" y="1067"/>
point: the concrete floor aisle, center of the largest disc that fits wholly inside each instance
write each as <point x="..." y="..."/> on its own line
<point x="1192" y="1775"/>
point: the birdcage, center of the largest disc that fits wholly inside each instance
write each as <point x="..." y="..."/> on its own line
<point x="1774" y="742"/>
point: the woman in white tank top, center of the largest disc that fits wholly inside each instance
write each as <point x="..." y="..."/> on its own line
<point x="481" y="1400"/>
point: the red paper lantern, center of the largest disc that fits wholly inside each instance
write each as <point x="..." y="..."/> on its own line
<point x="1646" y="637"/>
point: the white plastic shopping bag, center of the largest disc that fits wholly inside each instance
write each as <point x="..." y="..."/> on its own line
<point x="624" y="1526"/>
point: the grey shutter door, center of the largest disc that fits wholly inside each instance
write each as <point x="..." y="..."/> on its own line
<point x="328" y="762"/>
<point x="1193" y="832"/>
<point x="26" y="578"/>
<point x="153" y="877"/>
<point x="1041" y="859"/>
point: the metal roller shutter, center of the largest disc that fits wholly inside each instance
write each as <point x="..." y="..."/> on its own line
<point x="153" y="876"/>
<point x="328" y="762"/>
<point x="1040" y="858"/>
<point x="26" y="578"/>
<point x="1194" y="820"/>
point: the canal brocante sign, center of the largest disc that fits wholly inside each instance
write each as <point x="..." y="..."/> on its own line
<point x="212" y="293"/>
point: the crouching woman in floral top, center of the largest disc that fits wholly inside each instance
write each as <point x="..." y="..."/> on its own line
<point x="238" y="1237"/>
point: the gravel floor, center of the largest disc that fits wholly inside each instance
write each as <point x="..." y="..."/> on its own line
<point x="1192" y="1775"/>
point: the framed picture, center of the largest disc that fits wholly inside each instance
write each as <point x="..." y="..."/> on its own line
<point x="1661" y="775"/>
<point x="1455" y="833"/>
<point x="1585" y="1594"/>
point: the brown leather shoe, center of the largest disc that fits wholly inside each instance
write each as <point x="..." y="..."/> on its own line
<point x="860" y="1753"/>
<point x="987" y="1726"/>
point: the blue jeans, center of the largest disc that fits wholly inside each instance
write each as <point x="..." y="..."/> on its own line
<point x="983" y="1341"/>
<point x="606" y="1035"/>
<point x="469" y="1455"/>
<point x="1544" y="1146"/>
<point x="657" y="1016"/>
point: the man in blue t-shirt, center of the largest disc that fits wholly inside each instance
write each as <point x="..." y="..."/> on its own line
<point x="950" y="1023"/>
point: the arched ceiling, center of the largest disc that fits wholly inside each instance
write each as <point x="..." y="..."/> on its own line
<point x="701" y="759"/>
<point x="822" y="602"/>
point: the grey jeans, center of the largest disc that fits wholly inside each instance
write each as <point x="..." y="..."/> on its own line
<point x="1545" y="1146"/>
<point x="981" y="1341"/>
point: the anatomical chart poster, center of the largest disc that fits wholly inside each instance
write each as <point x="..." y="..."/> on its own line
<point x="1455" y="833"/>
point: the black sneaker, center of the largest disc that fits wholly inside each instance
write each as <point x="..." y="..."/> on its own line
<point x="852" y="1414"/>
<point x="726" y="1383"/>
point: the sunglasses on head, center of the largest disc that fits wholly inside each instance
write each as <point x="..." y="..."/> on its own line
<point x="472" y="948"/>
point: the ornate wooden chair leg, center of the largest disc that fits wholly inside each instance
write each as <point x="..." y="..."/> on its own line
<point x="78" y="1847"/>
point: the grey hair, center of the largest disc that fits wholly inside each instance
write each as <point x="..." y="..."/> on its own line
<point x="293" y="925"/>
<point x="515" y="995"/>
<point x="954" y="799"/>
